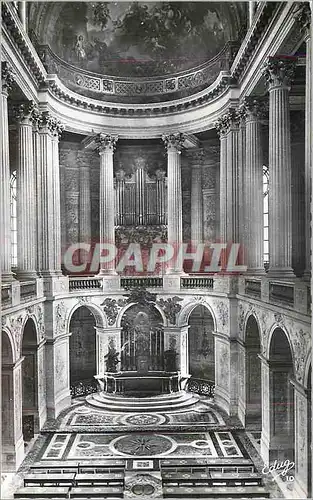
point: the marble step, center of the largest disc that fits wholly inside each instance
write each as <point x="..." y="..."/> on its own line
<point x="139" y="399"/>
<point x="150" y="404"/>
<point x="176" y="492"/>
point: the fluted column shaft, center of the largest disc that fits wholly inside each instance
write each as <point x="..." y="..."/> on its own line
<point x="26" y="210"/>
<point x="278" y="75"/>
<point x="223" y="177"/>
<point x="241" y="185"/>
<point x="48" y="197"/>
<point x="232" y="206"/>
<point x="305" y="22"/>
<point x="254" y="188"/>
<point x="174" y="145"/>
<point x="84" y="208"/>
<point x="196" y="198"/>
<point x="5" y="216"/>
<point x="107" y="208"/>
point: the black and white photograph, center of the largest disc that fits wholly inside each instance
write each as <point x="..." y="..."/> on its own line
<point x="156" y="250"/>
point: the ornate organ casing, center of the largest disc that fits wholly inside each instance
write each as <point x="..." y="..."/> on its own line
<point x="140" y="198"/>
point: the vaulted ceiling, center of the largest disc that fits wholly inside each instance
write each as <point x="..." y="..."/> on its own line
<point x="136" y="38"/>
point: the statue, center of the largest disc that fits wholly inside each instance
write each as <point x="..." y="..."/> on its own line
<point x="170" y="355"/>
<point x="111" y="358"/>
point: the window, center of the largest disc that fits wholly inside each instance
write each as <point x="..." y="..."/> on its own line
<point x="265" y="216"/>
<point x="13" y="220"/>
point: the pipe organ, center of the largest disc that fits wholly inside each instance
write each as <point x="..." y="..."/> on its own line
<point x="140" y="199"/>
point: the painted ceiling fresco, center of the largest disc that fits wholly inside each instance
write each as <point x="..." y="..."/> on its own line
<point x="137" y="38"/>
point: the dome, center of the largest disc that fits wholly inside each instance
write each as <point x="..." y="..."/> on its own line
<point x="128" y="42"/>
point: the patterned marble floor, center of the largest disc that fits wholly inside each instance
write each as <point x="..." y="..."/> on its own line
<point x="83" y="446"/>
<point x="82" y="417"/>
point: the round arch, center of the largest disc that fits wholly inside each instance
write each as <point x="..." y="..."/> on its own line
<point x="247" y="317"/>
<point x="279" y="326"/>
<point x="96" y="311"/>
<point x="131" y="304"/>
<point x="82" y="344"/>
<point x="184" y="314"/>
<point x="12" y="343"/>
<point x="30" y="319"/>
<point x="252" y="372"/>
<point x="201" y="343"/>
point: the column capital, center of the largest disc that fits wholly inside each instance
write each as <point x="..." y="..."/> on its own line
<point x="228" y="121"/>
<point x="279" y="71"/>
<point x="7" y="77"/>
<point x="106" y="143"/>
<point x="174" y="142"/>
<point x="49" y="123"/>
<point x="26" y="113"/>
<point x="254" y="107"/>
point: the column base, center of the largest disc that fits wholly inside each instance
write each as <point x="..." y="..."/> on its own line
<point x="281" y="272"/>
<point x="257" y="271"/>
<point x="26" y="275"/>
<point x="306" y="275"/>
<point x="7" y="277"/>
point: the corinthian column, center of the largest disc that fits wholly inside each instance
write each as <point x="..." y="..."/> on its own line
<point x="254" y="186"/>
<point x="278" y="74"/>
<point x="5" y="216"/>
<point x="174" y="144"/>
<point x="84" y="208"/>
<point x="26" y="194"/>
<point x="221" y="128"/>
<point x="106" y="146"/>
<point x="48" y="196"/>
<point x="232" y="205"/>
<point x="196" y="197"/>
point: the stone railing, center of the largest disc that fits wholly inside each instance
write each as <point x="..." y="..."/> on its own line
<point x="6" y="296"/>
<point x="111" y="87"/>
<point x="83" y="388"/>
<point x="196" y="282"/>
<point x="253" y="287"/>
<point x="28" y="290"/>
<point x="86" y="283"/>
<point x="282" y="293"/>
<point x="143" y="281"/>
<point x="201" y="386"/>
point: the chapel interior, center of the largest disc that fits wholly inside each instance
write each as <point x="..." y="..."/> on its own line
<point x="151" y="127"/>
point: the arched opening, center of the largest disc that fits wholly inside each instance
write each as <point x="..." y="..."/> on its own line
<point x="201" y="344"/>
<point x="82" y="347"/>
<point x="7" y="401"/>
<point x="142" y="340"/>
<point x="30" y="417"/>
<point x="282" y="440"/>
<point x="253" y="374"/>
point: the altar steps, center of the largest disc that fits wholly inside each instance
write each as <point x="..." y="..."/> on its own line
<point x="161" y="403"/>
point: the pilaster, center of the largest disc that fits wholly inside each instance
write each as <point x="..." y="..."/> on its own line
<point x="196" y="159"/>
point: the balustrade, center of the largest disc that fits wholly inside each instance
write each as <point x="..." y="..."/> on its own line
<point x="253" y="288"/>
<point x="144" y="281"/>
<point x="283" y="293"/>
<point x="84" y="283"/>
<point x="196" y="282"/>
<point x="200" y="386"/>
<point x="28" y="290"/>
